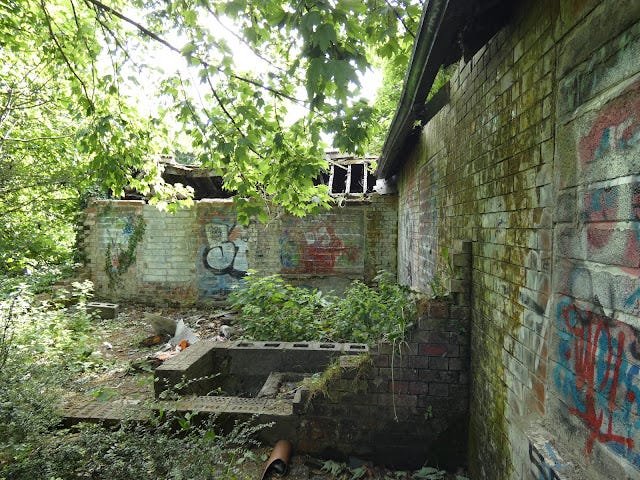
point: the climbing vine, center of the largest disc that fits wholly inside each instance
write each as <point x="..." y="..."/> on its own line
<point x="118" y="262"/>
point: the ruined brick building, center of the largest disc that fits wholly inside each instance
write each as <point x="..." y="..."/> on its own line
<point x="532" y="154"/>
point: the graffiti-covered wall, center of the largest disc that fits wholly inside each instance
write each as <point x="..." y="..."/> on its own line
<point x="594" y="380"/>
<point x="135" y="251"/>
<point x="536" y="160"/>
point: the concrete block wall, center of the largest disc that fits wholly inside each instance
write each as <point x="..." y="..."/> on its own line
<point x="535" y="160"/>
<point x="199" y="254"/>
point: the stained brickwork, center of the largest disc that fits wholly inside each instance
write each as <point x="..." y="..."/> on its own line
<point x="199" y="254"/>
<point x="535" y="160"/>
<point x="410" y="405"/>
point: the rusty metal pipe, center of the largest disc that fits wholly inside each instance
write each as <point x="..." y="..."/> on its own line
<point x="278" y="463"/>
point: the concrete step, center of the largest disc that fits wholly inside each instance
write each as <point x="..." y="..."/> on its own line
<point x="114" y="411"/>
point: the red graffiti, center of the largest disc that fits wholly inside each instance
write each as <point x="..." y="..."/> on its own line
<point x="603" y="210"/>
<point x="320" y="254"/>
<point x="616" y="128"/>
<point x="597" y="362"/>
<point x="318" y="251"/>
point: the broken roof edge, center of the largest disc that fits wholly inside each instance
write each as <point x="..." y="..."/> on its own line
<point x="420" y="74"/>
<point x="449" y="29"/>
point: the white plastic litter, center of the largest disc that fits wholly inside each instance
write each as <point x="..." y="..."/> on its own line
<point x="183" y="333"/>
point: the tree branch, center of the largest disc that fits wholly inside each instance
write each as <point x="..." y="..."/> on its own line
<point x="84" y="39"/>
<point x="243" y="41"/>
<point x="64" y="56"/>
<point x="400" y="19"/>
<point x="42" y="183"/>
<point x="173" y="48"/>
<point x="231" y="118"/>
<point x="35" y="139"/>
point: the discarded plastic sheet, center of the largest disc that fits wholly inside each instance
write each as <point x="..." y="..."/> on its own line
<point x="278" y="463"/>
<point x="183" y="333"/>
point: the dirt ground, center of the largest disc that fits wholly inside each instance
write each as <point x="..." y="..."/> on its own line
<point x="128" y="373"/>
<point x="128" y="359"/>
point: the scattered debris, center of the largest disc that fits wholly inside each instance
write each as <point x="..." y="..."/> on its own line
<point x="171" y="346"/>
<point x="147" y="364"/>
<point x="225" y="333"/>
<point x="162" y="356"/>
<point x="154" y="340"/>
<point x="103" y="310"/>
<point x="147" y="336"/>
<point x="182" y="332"/>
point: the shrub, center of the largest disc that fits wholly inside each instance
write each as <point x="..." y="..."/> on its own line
<point x="368" y="314"/>
<point x="137" y="451"/>
<point x="45" y="346"/>
<point x="273" y="310"/>
<point x="41" y="346"/>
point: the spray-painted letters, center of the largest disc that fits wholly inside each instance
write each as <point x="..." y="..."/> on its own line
<point x="597" y="375"/>
<point x="223" y="260"/>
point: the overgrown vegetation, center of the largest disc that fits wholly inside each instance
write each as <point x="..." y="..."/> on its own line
<point x="439" y="282"/>
<point x="319" y="384"/>
<point x="274" y="310"/>
<point x="118" y="262"/>
<point x="77" y="110"/>
<point x="138" y="451"/>
<point x="44" y="346"/>
<point x="342" y="471"/>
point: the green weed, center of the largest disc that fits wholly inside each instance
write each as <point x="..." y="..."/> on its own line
<point x="274" y="310"/>
<point x="47" y="345"/>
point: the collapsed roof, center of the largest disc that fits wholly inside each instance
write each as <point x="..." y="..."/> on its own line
<point x="345" y="175"/>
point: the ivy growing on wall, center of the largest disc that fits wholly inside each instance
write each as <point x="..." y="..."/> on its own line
<point x="118" y="261"/>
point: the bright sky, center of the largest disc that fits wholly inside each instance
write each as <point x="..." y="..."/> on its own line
<point x="244" y="59"/>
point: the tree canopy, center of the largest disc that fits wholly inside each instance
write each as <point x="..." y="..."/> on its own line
<point x="77" y="77"/>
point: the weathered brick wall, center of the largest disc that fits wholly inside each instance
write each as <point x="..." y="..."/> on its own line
<point x="535" y="159"/>
<point x="595" y="356"/>
<point x="198" y="254"/>
<point x="410" y="406"/>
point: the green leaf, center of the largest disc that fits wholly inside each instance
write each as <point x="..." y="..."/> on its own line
<point x="88" y="88"/>
<point x="310" y="20"/>
<point x="325" y="35"/>
<point x="188" y="49"/>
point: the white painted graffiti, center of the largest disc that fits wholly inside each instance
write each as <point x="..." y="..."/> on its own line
<point x="226" y="251"/>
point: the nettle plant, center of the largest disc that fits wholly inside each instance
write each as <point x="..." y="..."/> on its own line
<point x="274" y="310"/>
